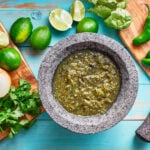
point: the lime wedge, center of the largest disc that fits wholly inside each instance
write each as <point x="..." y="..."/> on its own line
<point x="4" y="39"/>
<point x="77" y="10"/>
<point x="60" y="19"/>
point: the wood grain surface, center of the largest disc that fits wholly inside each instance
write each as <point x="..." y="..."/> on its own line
<point x="23" y="71"/>
<point x="139" y="13"/>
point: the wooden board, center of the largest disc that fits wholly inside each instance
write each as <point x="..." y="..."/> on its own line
<point x="139" y="13"/>
<point x="23" y="71"/>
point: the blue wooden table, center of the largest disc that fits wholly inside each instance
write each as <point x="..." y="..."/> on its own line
<point x="46" y="134"/>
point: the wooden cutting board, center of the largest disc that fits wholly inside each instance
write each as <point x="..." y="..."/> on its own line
<point x="139" y="13"/>
<point x="23" y="71"/>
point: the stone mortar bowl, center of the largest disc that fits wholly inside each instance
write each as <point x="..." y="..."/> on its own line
<point x="126" y="96"/>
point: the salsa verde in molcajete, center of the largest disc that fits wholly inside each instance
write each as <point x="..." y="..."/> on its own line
<point x="86" y="83"/>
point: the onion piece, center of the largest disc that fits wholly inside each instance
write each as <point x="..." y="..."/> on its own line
<point x="5" y="82"/>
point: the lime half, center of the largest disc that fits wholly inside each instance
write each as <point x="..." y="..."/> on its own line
<point x="77" y="10"/>
<point x="4" y="39"/>
<point x="60" y="19"/>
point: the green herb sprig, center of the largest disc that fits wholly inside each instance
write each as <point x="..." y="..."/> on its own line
<point x="19" y="101"/>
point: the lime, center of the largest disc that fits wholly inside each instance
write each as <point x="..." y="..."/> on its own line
<point x="40" y="38"/>
<point x="4" y="40"/>
<point x="21" y="30"/>
<point x="87" y="25"/>
<point x="77" y="10"/>
<point x="10" y="59"/>
<point x="60" y="19"/>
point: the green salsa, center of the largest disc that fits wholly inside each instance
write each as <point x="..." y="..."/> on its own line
<point x="86" y="83"/>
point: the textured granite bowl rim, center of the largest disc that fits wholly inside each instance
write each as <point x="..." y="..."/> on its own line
<point x="126" y="96"/>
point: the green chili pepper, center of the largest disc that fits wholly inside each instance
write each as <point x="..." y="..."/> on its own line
<point x="145" y="35"/>
<point x="148" y="54"/>
<point x="146" y="61"/>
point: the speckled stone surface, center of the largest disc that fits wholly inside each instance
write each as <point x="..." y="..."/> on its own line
<point x="144" y="130"/>
<point x="126" y="96"/>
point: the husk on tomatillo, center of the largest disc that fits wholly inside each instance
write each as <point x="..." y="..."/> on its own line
<point x="113" y="12"/>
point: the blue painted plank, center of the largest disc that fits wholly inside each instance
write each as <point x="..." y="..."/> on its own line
<point x="40" y="17"/>
<point x="9" y="4"/>
<point x="141" y="106"/>
<point x="47" y="135"/>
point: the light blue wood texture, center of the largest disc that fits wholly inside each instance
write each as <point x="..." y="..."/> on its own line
<point x="46" y="134"/>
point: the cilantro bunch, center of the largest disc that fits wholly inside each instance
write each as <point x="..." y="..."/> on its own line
<point x="19" y="101"/>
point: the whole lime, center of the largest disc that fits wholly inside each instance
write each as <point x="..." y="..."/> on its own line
<point x="10" y="59"/>
<point x="40" y="38"/>
<point x="87" y="24"/>
<point x="21" y="30"/>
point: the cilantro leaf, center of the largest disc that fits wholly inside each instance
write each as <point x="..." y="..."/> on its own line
<point x="15" y="104"/>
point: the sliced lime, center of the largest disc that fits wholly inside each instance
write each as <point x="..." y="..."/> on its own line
<point x="60" y="19"/>
<point x="77" y="10"/>
<point x="4" y="39"/>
